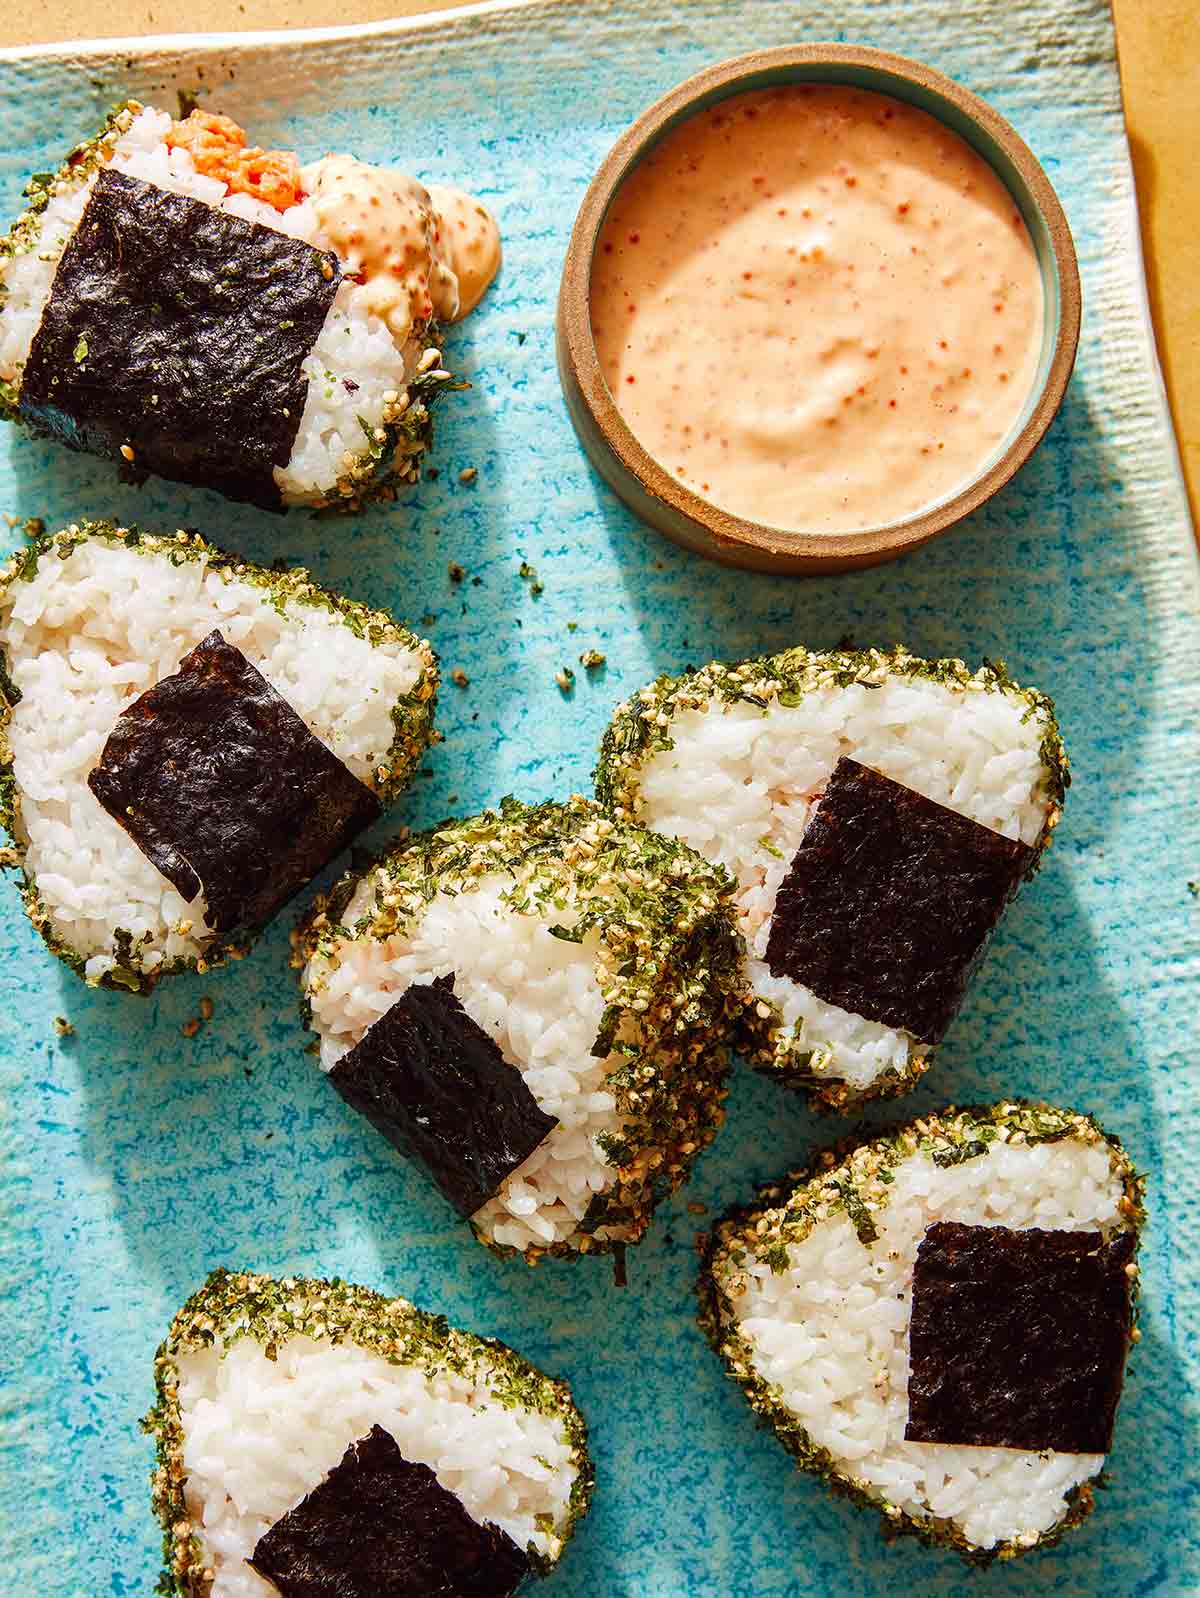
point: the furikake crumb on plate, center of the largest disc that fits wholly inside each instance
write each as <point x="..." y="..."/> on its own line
<point x="807" y="1295"/>
<point x="92" y="621"/>
<point x="344" y="1359"/>
<point x="734" y="759"/>
<point x="603" y="961"/>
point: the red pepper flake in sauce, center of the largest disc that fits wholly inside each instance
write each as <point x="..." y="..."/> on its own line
<point x="775" y="374"/>
<point x="418" y="254"/>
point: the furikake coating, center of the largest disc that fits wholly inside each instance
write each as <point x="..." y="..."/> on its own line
<point x="173" y="340"/>
<point x="437" y="1087"/>
<point x="222" y="786"/>
<point x="379" y="1524"/>
<point x="641" y="727"/>
<point x="287" y="590"/>
<point x="238" y="1304"/>
<point x="669" y="970"/>
<point x="857" y="1179"/>
<point x="890" y="900"/>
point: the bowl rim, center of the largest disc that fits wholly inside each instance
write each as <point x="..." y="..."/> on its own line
<point x="656" y="495"/>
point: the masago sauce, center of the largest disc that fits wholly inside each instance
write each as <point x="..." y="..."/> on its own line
<point x="817" y="307"/>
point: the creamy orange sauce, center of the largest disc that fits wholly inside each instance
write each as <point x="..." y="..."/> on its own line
<point x="414" y="262"/>
<point x="469" y="237"/>
<point x="817" y="307"/>
<point x="382" y="225"/>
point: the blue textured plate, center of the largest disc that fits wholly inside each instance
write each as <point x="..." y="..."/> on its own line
<point x="134" y="1159"/>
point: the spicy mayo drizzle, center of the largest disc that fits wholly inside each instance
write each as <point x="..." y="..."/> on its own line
<point x="416" y="257"/>
<point x="817" y="306"/>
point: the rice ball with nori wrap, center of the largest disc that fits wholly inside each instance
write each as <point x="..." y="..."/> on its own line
<point x="187" y="305"/>
<point x="878" y="811"/>
<point x="532" y="1005"/>
<point x="936" y="1323"/>
<point x="316" y="1438"/>
<point x="186" y="740"/>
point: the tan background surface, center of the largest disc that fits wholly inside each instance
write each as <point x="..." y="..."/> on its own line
<point x="1159" y="44"/>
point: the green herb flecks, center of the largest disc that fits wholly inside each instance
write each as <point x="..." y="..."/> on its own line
<point x="856" y="1209"/>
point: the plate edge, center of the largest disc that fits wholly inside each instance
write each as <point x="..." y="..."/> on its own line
<point x="157" y="44"/>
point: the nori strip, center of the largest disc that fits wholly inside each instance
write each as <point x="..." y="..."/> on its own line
<point x="438" y="1088"/>
<point x="890" y="900"/>
<point x="1018" y="1339"/>
<point x="219" y="782"/>
<point x="379" y="1526"/>
<point x="173" y="340"/>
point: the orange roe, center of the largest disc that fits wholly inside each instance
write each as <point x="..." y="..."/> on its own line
<point x="217" y="146"/>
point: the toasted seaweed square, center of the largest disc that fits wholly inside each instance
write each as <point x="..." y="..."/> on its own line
<point x="379" y="1526"/>
<point x="1018" y="1339"/>
<point x="889" y="902"/>
<point x="219" y="782"/>
<point x="173" y="340"/>
<point x="437" y="1087"/>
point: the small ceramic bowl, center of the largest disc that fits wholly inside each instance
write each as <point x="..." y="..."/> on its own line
<point x="657" y="496"/>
